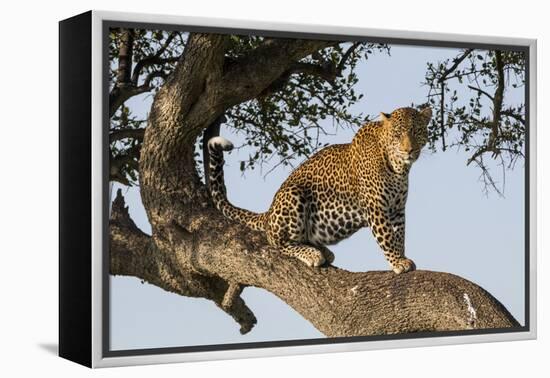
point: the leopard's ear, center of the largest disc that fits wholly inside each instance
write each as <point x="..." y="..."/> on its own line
<point x="426" y="114"/>
<point x="384" y="117"/>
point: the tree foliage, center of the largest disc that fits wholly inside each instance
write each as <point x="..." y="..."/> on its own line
<point x="488" y="123"/>
<point x="139" y="62"/>
<point x="286" y="122"/>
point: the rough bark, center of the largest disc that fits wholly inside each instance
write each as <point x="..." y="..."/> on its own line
<point x="194" y="251"/>
<point x="335" y="301"/>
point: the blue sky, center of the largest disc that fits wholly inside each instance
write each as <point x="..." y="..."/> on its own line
<point x="451" y="226"/>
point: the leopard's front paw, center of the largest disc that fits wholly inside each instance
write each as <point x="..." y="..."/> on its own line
<point x="403" y="265"/>
<point x="328" y="254"/>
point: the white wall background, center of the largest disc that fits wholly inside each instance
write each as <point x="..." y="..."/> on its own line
<point x="28" y="188"/>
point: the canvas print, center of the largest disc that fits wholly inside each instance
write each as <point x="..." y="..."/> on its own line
<point x="272" y="189"/>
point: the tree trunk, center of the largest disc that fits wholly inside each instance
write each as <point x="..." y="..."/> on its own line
<point x="195" y="251"/>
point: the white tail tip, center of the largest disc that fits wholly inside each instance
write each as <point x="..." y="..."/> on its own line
<point x="220" y="143"/>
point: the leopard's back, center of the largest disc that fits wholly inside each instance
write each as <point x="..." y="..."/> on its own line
<point x="325" y="169"/>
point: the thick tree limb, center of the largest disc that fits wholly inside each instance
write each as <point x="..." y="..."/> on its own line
<point x="249" y="76"/>
<point x="133" y="253"/>
<point x="328" y="71"/>
<point x="125" y="55"/>
<point x="200" y="90"/>
<point x="335" y="301"/>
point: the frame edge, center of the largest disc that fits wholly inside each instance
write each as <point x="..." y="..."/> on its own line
<point x="98" y="360"/>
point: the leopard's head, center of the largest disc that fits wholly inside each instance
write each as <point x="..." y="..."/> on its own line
<point x="405" y="134"/>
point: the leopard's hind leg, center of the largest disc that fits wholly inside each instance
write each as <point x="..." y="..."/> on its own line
<point x="311" y="256"/>
<point x="289" y="239"/>
<point x="286" y="228"/>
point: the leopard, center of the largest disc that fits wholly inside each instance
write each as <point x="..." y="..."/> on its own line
<point x="338" y="190"/>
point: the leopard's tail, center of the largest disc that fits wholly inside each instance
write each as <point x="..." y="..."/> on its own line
<point x="216" y="147"/>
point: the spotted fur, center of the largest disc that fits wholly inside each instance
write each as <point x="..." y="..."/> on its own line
<point x="339" y="190"/>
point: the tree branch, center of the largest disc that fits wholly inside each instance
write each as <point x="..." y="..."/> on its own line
<point x="125" y="56"/>
<point x="497" y="99"/>
<point x="250" y="75"/>
<point x="155" y="59"/>
<point x="122" y="163"/>
<point x="481" y="91"/>
<point x="511" y="114"/>
<point x="126" y="85"/>
<point x="335" y="301"/>
<point x="345" y="57"/>
<point x="119" y="94"/>
<point x="454" y="66"/>
<point x="118" y="134"/>
<point x="441" y="81"/>
<point x="326" y="71"/>
<point x="133" y="253"/>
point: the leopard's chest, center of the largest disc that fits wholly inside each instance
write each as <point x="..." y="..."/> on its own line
<point x="392" y="194"/>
